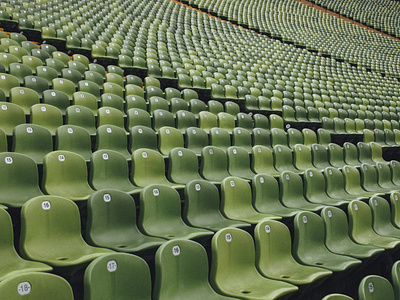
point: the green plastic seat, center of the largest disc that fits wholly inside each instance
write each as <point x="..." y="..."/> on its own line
<point x="196" y="106"/>
<point x="214" y="164"/>
<point x="162" y="118"/>
<point x="74" y="139"/>
<point x="134" y="90"/>
<point x="261" y="121"/>
<point x="7" y="82"/>
<point x="11" y="115"/>
<point x="360" y="227"/>
<point x="168" y="139"/>
<point x="337" y="297"/>
<point x="263" y="161"/>
<point x="395" y="208"/>
<point x="134" y="101"/>
<point x="352" y="180"/>
<point x="220" y="138"/>
<point x="207" y="121"/>
<point x="324" y="137"/>
<point x="382" y="223"/>
<point x="181" y="271"/>
<point x="24" y="97"/>
<point x="19" y="179"/>
<point x="315" y="189"/>
<point x="242" y="138"/>
<point x="92" y="88"/>
<point x="276" y="121"/>
<point x="309" y="245"/>
<point x="36" y="285"/>
<point x="374" y="287"/>
<point x="262" y="137"/>
<point x="239" y="163"/>
<point x="283" y="159"/>
<point x="111" y="223"/>
<point x="46" y="115"/>
<point x="156" y="102"/>
<point x="56" y="98"/>
<point x="320" y="156"/>
<point x="148" y="168"/>
<point x="336" y="156"/>
<point x="274" y="258"/>
<point x="110" y="116"/>
<point x="160" y="214"/>
<point x="337" y="238"/>
<point x="47" y="73"/>
<point x="303" y="158"/>
<point x="109" y="170"/>
<point x="51" y="233"/>
<point x="11" y="263"/>
<point x="196" y="139"/>
<point x="233" y="271"/>
<point x="64" y="85"/>
<point x="396" y="279"/>
<point x="183" y="166"/>
<point x="185" y="119"/>
<point x="85" y="99"/>
<point x="142" y="137"/>
<point x="369" y="180"/>
<point x="215" y="107"/>
<point x="32" y="140"/>
<point x="20" y="71"/>
<point x="236" y="202"/>
<point x="113" y="138"/>
<point x="201" y="208"/>
<point x="3" y="141"/>
<point x="292" y="192"/>
<point x="279" y="137"/>
<point x="138" y="117"/>
<point x="81" y="116"/>
<point x="65" y="175"/>
<point x="350" y="152"/>
<point x="118" y="275"/>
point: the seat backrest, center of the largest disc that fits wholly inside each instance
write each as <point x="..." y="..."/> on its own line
<point x="220" y="138"/>
<point x="336" y="155"/>
<point x="81" y="116"/>
<point x="374" y="287"/>
<point x="183" y="165"/>
<point x="168" y="139"/>
<point x="11" y="115"/>
<point x="351" y="154"/>
<point x="36" y="285"/>
<point x="148" y="167"/>
<point x="119" y="275"/>
<point x="181" y="268"/>
<point x="261" y="137"/>
<point x="241" y="138"/>
<point x="226" y="121"/>
<point x="162" y="118"/>
<point x="113" y="138"/>
<point x="47" y="116"/>
<point x="19" y="179"/>
<point x="294" y="137"/>
<point x="75" y="139"/>
<point x="214" y="164"/>
<point x="279" y="137"/>
<point x="196" y="139"/>
<point x="32" y="140"/>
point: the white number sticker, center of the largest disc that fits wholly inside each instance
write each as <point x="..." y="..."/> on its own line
<point x="107" y="197"/>
<point x="61" y="157"/>
<point x="304" y="219"/>
<point x="8" y="160"/>
<point x="24" y="288"/>
<point x="70" y="130"/>
<point x="232" y="183"/>
<point x="176" y="250"/>
<point x="105" y="156"/>
<point x="112" y="266"/>
<point x="109" y="130"/>
<point x="197" y="187"/>
<point x="29" y="129"/>
<point x="228" y="237"/>
<point x="156" y="192"/>
<point x="144" y="154"/>
<point x="267" y="229"/>
<point x="46" y="205"/>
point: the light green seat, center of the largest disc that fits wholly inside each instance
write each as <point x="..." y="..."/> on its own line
<point x="3" y="141"/>
<point x="36" y="286"/>
<point x="51" y="233"/>
<point x="374" y="287"/>
<point x="274" y="258"/>
<point x="233" y="271"/>
<point x="236" y="202"/>
<point x="19" y="179"/>
<point x="46" y="115"/>
<point x="24" y="97"/>
<point x="214" y="164"/>
<point x="292" y="192"/>
<point x="361" y="230"/>
<point x="11" y="263"/>
<point x="160" y="214"/>
<point x="239" y="163"/>
<point x="148" y="168"/>
<point x="142" y="137"/>
<point x="32" y="140"/>
<point x="110" y="116"/>
<point x="381" y="221"/>
<point x="56" y="98"/>
<point x="64" y="85"/>
<point x="263" y="161"/>
<point x="109" y="170"/>
<point x="168" y="139"/>
<point x="220" y="138"/>
<point x="65" y="175"/>
<point x="111" y="223"/>
<point x="396" y="279"/>
<point x="337" y="238"/>
<point x="119" y="276"/>
<point x="85" y="99"/>
<point x="7" y="82"/>
<point x="207" y="120"/>
<point x="181" y="272"/>
<point x="201" y="208"/>
<point x="283" y="159"/>
<point x="352" y="180"/>
<point x="226" y="121"/>
<point x="315" y="187"/>
<point x="309" y="245"/>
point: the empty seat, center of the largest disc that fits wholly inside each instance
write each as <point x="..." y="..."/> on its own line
<point x="374" y="287"/>
<point x="47" y="116"/>
<point x="75" y="139"/>
<point x="196" y="139"/>
<point x="168" y="139"/>
<point x="19" y="179"/>
<point x="24" y="97"/>
<point x="113" y="138"/>
<point x="233" y="271"/>
<point x="111" y="211"/>
<point x="119" y="275"/>
<point x="65" y="175"/>
<point x="239" y="163"/>
<point x="81" y="116"/>
<point x="214" y="164"/>
<point x="61" y="247"/>
<point x="181" y="271"/>
<point x="32" y="140"/>
<point x="160" y="214"/>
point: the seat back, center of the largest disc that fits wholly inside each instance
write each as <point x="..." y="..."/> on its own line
<point x="214" y="164"/>
<point x="113" y="138"/>
<point x="183" y="165"/>
<point x="168" y="139"/>
<point x="374" y="287"/>
<point x="75" y="139"/>
<point x="196" y="139"/>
